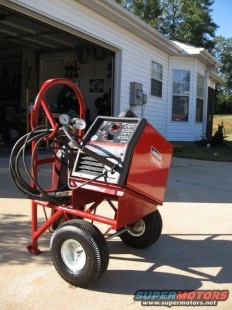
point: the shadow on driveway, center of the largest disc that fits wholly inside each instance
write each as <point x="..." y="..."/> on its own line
<point x="174" y="262"/>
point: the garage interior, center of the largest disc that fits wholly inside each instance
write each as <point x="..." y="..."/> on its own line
<point x="33" y="52"/>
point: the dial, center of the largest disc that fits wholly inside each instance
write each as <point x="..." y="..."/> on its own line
<point x="114" y="126"/>
<point x="64" y="119"/>
<point x="80" y="124"/>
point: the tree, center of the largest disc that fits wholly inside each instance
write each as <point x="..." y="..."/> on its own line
<point x="190" y="22"/>
<point x="197" y="25"/>
<point x="148" y="10"/>
<point x="120" y="2"/>
<point x="169" y="18"/>
<point x="187" y="21"/>
<point x="223" y="52"/>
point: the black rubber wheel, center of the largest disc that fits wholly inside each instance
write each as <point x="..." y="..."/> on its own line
<point x="144" y="232"/>
<point x="79" y="252"/>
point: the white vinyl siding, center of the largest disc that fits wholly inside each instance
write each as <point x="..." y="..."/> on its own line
<point x="131" y="64"/>
<point x="133" y="56"/>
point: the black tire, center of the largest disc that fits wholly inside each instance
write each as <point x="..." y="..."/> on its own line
<point x="144" y="232"/>
<point x="92" y="258"/>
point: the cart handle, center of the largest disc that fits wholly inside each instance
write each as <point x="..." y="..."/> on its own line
<point x="40" y="100"/>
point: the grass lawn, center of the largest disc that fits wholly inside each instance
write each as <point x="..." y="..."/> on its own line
<point x="216" y="153"/>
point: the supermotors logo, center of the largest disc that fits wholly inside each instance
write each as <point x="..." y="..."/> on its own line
<point x="169" y="298"/>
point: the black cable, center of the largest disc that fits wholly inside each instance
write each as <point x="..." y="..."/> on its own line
<point x="43" y="193"/>
<point x="14" y="167"/>
<point x="19" y="151"/>
<point x="99" y="56"/>
<point x="61" y="140"/>
<point x="99" y="158"/>
<point x="64" y="147"/>
<point x="83" y="55"/>
<point x="88" y="181"/>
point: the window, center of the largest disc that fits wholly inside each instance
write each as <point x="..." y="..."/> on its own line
<point x="180" y="99"/>
<point x="156" y="79"/>
<point x="200" y="97"/>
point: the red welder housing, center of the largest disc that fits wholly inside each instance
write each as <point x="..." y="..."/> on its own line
<point x="123" y="161"/>
<point x="145" y="176"/>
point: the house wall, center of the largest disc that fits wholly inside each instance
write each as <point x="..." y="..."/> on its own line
<point x="136" y="66"/>
<point x="189" y="130"/>
<point x="135" y="54"/>
<point x="133" y="63"/>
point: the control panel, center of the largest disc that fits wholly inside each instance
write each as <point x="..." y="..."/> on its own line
<point x="114" y="132"/>
<point x="113" y="139"/>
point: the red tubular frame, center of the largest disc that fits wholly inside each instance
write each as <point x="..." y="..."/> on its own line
<point x="80" y="197"/>
<point x="34" y="121"/>
<point x="41" y="100"/>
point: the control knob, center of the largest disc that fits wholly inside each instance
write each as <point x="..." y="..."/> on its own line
<point x="114" y="126"/>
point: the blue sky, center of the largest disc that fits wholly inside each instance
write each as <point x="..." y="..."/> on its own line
<point x="222" y="16"/>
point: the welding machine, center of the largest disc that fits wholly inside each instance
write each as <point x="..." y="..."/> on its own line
<point x="120" y="162"/>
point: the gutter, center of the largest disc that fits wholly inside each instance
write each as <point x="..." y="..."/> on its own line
<point x="117" y="13"/>
<point x="213" y="76"/>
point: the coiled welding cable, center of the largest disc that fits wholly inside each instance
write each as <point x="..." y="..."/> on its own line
<point x="19" y="151"/>
<point x="14" y="162"/>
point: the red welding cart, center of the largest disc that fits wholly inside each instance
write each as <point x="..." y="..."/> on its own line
<point x="122" y="162"/>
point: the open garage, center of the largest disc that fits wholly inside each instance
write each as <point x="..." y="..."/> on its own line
<point x="103" y="48"/>
<point x="33" y="51"/>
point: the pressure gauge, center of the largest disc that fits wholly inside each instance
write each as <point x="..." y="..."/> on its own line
<point x="80" y="124"/>
<point x="64" y="119"/>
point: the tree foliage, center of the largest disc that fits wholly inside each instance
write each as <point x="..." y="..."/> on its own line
<point x="187" y="21"/>
<point x="149" y="10"/>
<point x="194" y="24"/>
<point x="223" y="52"/>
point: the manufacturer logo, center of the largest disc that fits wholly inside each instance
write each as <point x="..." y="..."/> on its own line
<point x="156" y="157"/>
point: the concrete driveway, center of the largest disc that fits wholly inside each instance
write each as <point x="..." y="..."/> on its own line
<point x="194" y="251"/>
